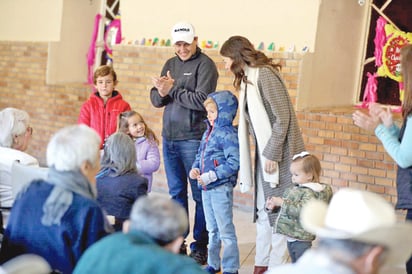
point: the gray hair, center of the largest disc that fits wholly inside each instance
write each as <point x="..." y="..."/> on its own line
<point x="12" y="122"/>
<point x="119" y="154"/>
<point x="163" y="219"/>
<point x="71" y="146"/>
<point x="350" y="249"/>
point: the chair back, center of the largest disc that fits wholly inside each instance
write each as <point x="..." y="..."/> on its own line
<point x="22" y="175"/>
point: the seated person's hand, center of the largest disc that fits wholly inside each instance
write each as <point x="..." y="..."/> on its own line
<point x="125" y="227"/>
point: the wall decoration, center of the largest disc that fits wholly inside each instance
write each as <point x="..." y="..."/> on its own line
<point x="112" y="36"/>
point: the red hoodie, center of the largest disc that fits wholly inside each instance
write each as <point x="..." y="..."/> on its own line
<point x="103" y="118"/>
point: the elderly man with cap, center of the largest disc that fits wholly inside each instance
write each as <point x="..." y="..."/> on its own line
<point x="183" y="85"/>
<point x="358" y="234"/>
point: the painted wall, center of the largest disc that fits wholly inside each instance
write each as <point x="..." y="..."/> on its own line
<point x="30" y="20"/>
<point x="283" y="22"/>
<point x="66" y="25"/>
<point x="330" y="75"/>
<point x="67" y="61"/>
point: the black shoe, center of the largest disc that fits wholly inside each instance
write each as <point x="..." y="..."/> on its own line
<point x="183" y="249"/>
<point x="211" y="270"/>
<point x="199" y="257"/>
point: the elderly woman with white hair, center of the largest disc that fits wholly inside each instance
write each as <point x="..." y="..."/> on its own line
<point x="15" y="135"/>
<point x="59" y="218"/>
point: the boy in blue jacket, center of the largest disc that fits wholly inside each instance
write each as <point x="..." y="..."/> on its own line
<point x="215" y="168"/>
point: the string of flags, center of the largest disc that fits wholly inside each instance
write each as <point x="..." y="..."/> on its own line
<point x="207" y="44"/>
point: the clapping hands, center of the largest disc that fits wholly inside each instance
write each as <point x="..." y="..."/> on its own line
<point x="163" y="84"/>
<point x="377" y="114"/>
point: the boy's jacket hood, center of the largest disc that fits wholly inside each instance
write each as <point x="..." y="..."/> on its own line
<point x="227" y="104"/>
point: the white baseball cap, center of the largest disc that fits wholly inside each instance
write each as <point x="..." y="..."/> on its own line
<point x="183" y="31"/>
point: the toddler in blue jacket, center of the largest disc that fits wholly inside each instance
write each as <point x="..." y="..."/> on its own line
<point x="215" y="168"/>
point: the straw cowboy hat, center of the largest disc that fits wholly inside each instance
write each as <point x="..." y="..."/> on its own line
<point x="362" y="216"/>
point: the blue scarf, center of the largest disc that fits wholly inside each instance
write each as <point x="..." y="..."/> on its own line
<point x="61" y="197"/>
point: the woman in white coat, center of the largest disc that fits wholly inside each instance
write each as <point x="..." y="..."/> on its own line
<point x="265" y="109"/>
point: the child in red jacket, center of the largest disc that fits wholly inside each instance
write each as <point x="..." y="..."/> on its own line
<point x="100" y="111"/>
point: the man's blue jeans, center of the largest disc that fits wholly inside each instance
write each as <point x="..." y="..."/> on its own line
<point x="178" y="158"/>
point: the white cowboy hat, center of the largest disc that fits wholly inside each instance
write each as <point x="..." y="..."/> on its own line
<point x="362" y="216"/>
<point x="26" y="264"/>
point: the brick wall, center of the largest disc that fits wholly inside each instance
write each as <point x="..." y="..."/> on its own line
<point x="349" y="156"/>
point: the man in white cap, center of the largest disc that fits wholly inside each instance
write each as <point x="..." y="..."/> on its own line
<point x="182" y="87"/>
<point x="358" y="234"/>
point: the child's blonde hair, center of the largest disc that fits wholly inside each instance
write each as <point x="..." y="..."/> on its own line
<point x="123" y="125"/>
<point x="103" y="71"/>
<point x="209" y="101"/>
<point x="310" y="164"/>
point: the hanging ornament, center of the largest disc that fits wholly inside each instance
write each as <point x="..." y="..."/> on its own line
<point x="112" y="36"/>
<point x="391" y="53"/>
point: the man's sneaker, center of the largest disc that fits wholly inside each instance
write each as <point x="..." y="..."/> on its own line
<point x="183" y="249"/>
<point x="211" y="270"/>
<point x="199" y="257"/>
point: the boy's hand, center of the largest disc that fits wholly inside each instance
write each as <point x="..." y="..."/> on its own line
<point x="194" y="173"/>
<point x="207" y="178"/>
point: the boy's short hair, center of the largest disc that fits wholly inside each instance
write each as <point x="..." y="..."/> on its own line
<point x="103" y="71"/>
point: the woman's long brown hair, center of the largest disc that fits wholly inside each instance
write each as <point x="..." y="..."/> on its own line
<point x="242" y="52"/>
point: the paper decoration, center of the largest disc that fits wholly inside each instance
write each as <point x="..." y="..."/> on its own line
<point x="91" y="54"/>
<point x="380" y="40"/>
<point x="208" y="44"/>
<point x="261" y="46"/>
<point x="155" y="41"/>
<point x="391" y="53"/>
<point x="388" y="43"/>
<point x="271" y="46"/>
<point x="370" y="95"/>
<point x="112" y="36"/>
